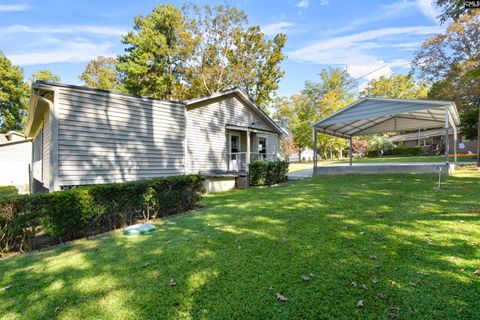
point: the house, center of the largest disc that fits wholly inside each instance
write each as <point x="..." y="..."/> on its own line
<point x="435" y="139"/>
<point x="306" y="155"/>
<point x="89" y="136"/>
<point x="15" y="160"/>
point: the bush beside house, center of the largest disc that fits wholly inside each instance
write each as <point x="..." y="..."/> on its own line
<point x="74" y="213"/>
<point x="266" y="173"/>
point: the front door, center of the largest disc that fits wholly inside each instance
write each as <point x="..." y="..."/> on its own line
<point x="234" y="152"/>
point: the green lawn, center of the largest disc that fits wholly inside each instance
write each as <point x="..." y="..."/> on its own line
<point x="298" y="166"/>
<point x="391" y="241"/>
<point x="7" y="191"/>
<point x="411" y="159"/>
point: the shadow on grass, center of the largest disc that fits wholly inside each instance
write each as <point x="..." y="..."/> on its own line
<point x="390" y="241"/>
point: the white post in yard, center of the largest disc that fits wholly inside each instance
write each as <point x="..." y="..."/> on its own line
<point x="350" y="155"/>
<point x="455" y="142"/>
<point x="314" y="148"/>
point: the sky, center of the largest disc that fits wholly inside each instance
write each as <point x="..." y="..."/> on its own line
<point x="364" y="36"/>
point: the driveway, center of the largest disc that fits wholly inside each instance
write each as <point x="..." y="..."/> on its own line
<point x="298" y="175"/>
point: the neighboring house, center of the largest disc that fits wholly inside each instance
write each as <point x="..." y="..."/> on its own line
<point x="88" y="136"/>
<point x="435" y="138"/>
<point x="306" y="155"/>
<point x="15" y="160"/>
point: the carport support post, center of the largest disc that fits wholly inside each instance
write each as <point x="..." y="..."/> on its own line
<point x="350" y="150"/>
<point x="314" y="148"/>
<point x="447" y="142"/>
<point x="455" y="142"/>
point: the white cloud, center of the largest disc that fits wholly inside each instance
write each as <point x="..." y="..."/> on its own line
<point x="275" y="28"/>
<point x="73" y="51"/>
<point x="81" y="29"/>
<point x="355" y="50"/>
<point x="14" y="7"/>
<point x="323" y="2"/>
<point x="428" y="9"/>
<point x="303" y="4"/>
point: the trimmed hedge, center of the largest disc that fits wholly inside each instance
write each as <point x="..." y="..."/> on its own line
<point x="400" y="151"/>
<point x="266" y="173"/>
<point x="77" y="212"/>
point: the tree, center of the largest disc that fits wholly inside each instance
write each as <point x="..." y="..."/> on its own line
<point x="452" y="9"/>
<point x="395" y="86"/>
<point x="44" y="75"/>
<point x="451" y="61"/>
<point x="13" y="95"/>
<point x="317" y="100"/>
<point x="287" y="147"/>
<point x="195" y="51"/>
<point x="380" y="143"/>
<point x="101" y="73"/>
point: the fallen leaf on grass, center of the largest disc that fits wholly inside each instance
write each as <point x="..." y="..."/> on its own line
<point x="394" y="315"/>
<point x="381" y="295"/>
<point x="373" y="257"/>
<point x="354" y="284"/>
<point x="307" y="277"/>
<point x="6" y="287"/>
<point x="154" y="275"/>
<point x="281" y="298"/>
<point x="271" y="288"/>
<point x="477" y="272"/>
<point x="395" y="308"/>
<point x="422" y="273"/>
<point x="364" y="287"/>
<point x="285" y="239"/>
<point x="392" y="282"/>
<point x="360" y="303"/>
<point x="461" y="310"/>
<point x="428" y="239"/>
<point x="374" y="280"/>
<point x="146" y="264"/>
<point x="56" y="309"/>
<point x="172" y="283"/>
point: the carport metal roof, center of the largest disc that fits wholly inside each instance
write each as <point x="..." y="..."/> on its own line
<point x="377" y="115"/>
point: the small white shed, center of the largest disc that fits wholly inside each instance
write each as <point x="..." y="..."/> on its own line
<point x="15" y="159"/>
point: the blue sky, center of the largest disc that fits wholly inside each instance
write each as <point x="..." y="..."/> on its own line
<point x="363" y="36"/>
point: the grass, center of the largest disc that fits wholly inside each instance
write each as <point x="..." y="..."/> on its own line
<point x="391" y="241"/>
<point x="411" y="159"/>
<point x="298" y="166"/>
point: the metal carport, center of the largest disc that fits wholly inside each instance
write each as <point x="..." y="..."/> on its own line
<point x="380" y="115"/>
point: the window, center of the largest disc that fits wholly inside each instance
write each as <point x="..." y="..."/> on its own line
<point x="262" y="147"/>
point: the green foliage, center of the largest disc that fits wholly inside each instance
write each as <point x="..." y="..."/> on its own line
<point x="8" y="191"/>
<point x="317" y="100"/>
<point x="44" y="75"/>
<point x="80" y="211"/>
<point x="451" y="9"/>
<point x="451" y="63"/>
<point x="380" y="144"/>
<point x="13" y="96"/>
<point x="180" y="54"/>
<point x="101" y="73"/>
<point x="410" y="151"/>
<point x="266" y="173"/>
<point x="469" y="123"/>
<point x="395" y="86"/>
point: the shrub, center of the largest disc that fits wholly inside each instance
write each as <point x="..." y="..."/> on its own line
<point x="8" y="191"/>
<point x="263" y="173"/>
<point x="69" y="214"/>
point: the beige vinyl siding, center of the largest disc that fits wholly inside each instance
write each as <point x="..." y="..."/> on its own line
<point x="206" y="133"/>
<point x="106" y="137"/>
<point x="15" y="159"/>
<point x="272" y="142"/>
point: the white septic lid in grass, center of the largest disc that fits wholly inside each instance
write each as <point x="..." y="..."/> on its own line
<point x="141" y="228"/>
